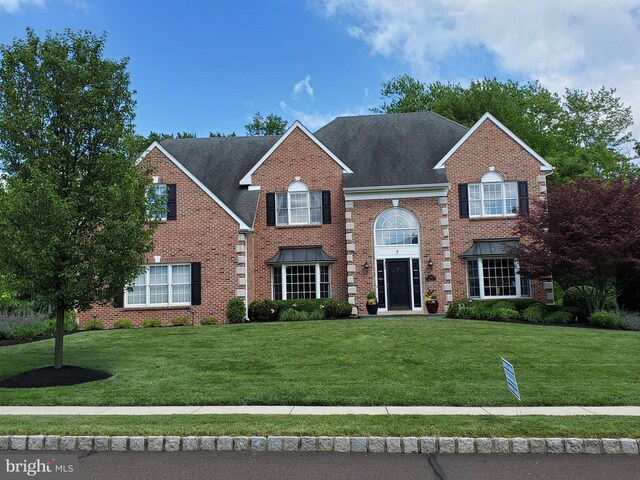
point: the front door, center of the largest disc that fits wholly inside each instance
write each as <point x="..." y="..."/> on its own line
<point x="398" y="285"/>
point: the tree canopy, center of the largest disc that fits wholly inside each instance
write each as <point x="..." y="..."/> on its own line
<point x="73" y="211"/>
<point x="272" y="124"/>
<point x="582" y="133"/>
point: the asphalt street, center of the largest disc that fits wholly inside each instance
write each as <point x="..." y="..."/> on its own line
<point x="298" y="465"/>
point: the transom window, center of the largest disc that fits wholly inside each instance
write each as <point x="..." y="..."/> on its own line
<point x="157" y="202"/>
<point x="493" y="197"/>
<point x="160" y="286"/>
<point x="496" y="277"/>
<point x="301" y="281"/>
<point x="299" y="206"/>
<point x="396" y="226"/>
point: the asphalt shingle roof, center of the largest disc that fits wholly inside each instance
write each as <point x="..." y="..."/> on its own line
<point x="394" y="149"/>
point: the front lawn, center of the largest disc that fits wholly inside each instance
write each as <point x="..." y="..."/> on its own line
<point x="409" y="361"/>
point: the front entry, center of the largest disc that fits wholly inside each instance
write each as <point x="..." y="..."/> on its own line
<point x="399" y="284"/>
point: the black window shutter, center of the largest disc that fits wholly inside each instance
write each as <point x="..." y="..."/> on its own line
<point x="463" y="194"/>
<point x="171" y="201"/>
<point x="523" y="197"/>
<point x="196" y="289"/>
<point x="326" y="206"/>
<point x="118" y="300"/>
<point x="271" y="209"/>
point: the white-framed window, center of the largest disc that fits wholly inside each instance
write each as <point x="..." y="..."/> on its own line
<point x="157" y="201"/>
<point x="299" y="206"/>
<point x="396" y="226"/>
<point x="301" y="281"/>
<point x="160" y="286"/>
<point x="496" y="278"/>
<point x="493" y="197"/>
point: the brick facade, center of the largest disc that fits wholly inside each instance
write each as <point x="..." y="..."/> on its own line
<point x="234" y="262"/>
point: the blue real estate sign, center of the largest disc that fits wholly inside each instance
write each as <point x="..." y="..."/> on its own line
<point x="510" y="373"/>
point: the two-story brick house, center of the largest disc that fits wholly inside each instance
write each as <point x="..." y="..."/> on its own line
<point x="395" y="204"/>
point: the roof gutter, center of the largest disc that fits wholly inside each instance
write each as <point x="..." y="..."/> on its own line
<point x="397" y="191"/>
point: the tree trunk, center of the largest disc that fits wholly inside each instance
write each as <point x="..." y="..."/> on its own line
<point x="58" y="355"/>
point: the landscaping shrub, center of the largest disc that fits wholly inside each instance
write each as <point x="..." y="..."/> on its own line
<point x="573" y="298"/>
<point x="522" y="304"/>
<point x="208" y="321"/>
<point x="292" y="315"/>
<point x="603" y="318"/>
<point x="25" y="324"/>
<point x="503" y="304"/>
<point x="317" y="315"/>
<point x="535" y="313"/>
<point x="558" y="293"/>
<point x="334" y="308"/>
<point x="123" y="323"/>
<point x="93" y="325"/>
<point x="629" y="320"/>
<point x="180" y="321"/>
<point x="152" y="322"/>
<point x="477" y="311"/>
<point x="236" y="312"/>
<point x="503" y="313"/>
<point x="263" y="311"/>
<point x="559" y="317"/>
<point x="454" y="310"/>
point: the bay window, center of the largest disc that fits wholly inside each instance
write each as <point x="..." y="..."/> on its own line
<point x="301" y="281"/>
<point x="496" y="278"/>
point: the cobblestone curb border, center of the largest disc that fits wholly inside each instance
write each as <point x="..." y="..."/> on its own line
<point x="461" y="445"/>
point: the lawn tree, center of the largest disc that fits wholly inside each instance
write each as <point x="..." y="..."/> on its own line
<point x="73" y="211"/>
<point x="272" y="124"/>
<point x="584" y="233"/>
<point x="583" y="134"/>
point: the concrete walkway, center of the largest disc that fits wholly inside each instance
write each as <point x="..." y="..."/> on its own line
<point x="320" y="410"/>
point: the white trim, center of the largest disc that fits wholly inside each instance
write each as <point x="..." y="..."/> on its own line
<point x="517" y="278"/>
<point x="546" y="166"/>
<point x="317" y="272"/>
<point x="246" y="180"/>
<point x="350" y="195"/>
<point x="253" y="187"/>
<point x="170" y="284"/>
<point x="241" y="224"/>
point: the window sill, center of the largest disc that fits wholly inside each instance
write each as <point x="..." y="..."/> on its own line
<point x="503" y="217"/>
<point x="315" y="225"/>
<point x="159" y="307"/>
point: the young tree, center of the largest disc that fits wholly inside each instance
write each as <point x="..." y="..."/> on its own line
<point x="583" y="233"/>
<point x="73" y="215"/>
<point x="271" y="125"/>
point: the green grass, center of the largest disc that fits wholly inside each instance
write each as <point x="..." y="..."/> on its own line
<point x="417" y="361"/>
<point x="355" y="425"/>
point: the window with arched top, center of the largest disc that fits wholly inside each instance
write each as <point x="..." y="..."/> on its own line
<point x="396" y="226"/>
<point x="298" y="205"/>
<point x="493" y="196"/>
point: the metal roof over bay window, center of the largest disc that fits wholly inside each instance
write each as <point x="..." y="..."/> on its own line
<point x="290" y="255"/>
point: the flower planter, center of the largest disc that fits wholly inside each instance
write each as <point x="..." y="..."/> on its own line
<point x="432" y="307"/>
<point x="372" y="308"/>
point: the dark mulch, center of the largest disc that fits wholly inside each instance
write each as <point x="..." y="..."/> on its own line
<point x="50" y="377"/>
<point x="18" y="341"/>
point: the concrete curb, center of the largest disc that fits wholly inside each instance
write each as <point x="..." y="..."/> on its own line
<point x="461" y="445"/>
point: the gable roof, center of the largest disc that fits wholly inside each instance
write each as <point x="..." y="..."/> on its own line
<point x="246" y="180"/>
<point x="219" y="164"/>
<point x="546" y="166"/>
<point x="393" y="149"/>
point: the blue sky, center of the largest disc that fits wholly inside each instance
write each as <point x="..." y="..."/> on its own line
<point x="201" y="65"/>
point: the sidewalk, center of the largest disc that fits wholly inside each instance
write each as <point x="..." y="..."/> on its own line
<point x="320" y="410"/>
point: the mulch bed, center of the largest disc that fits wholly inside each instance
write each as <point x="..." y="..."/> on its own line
<point x="50" y="377"/>
<point x="14" y="341"/>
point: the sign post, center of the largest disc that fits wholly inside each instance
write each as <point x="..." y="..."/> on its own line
<point x="510" y="373"/>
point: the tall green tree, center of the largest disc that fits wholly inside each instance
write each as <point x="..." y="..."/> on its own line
<point x="272" y="124"/>
<point x="584" y="134"/>
<point x="73" y="216"/>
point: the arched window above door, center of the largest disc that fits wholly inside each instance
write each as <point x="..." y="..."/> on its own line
<point x="396" y="226"/>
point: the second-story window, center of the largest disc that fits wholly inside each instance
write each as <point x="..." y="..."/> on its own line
<point x="299" y="206"/>
<point x="493" y="197"/>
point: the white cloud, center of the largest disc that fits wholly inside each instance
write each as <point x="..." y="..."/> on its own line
<point x="14" y="6"/>
<point x="303" y="86"/>
<point x="315" y="120"/>
<point x="570" y="43"/>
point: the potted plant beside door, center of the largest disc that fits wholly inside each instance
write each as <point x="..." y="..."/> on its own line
<point x="431" y="301"/>
<point x="372" y="303"/>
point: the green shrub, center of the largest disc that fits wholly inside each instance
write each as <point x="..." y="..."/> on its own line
<point x="559" y="317"/>
<point x="334" y="308"/>
<point x="503" y="313"/>
<point x="535" y="313"/>
<point x="575" y="312"/>
<point x="317" y="315"/>
<point x="558" y="293"/>
<point x="236" y="312"/>
<point x="263" y="311"/>
<point x="478" y="311"/>
<point x="292" y="315"/>
<point x="93" y="325"/>
<point x="123" y="323"/>
<point x="208" y="321"/>
<point x="573" y="297"/>
<point x="603" y="318"/>
<point x="454" y="310"/>
<point x="180" y="321"/>
<point x="522" y="304"/>
<point x="504" y="304"/>
<point x="629" y="320"/>
<point x="152" y="322"/>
